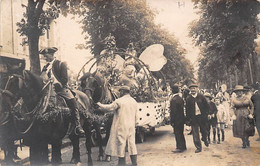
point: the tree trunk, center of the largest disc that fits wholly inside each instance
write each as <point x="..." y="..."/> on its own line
<point x="35" y="65"/>
<point x="255" y="67"/>
<point x="242" y="76"/>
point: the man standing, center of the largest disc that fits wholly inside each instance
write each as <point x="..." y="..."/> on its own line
<point x="212" y="117"/>
<point x="256" y="101"/>
<point x="197" y="110"/>
<point x="177" y="119"/>
<point x="57" y="71"/>
<point x="122" y="131"/>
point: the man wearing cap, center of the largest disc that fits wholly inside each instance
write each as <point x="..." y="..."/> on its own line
<point x="212" y="116"/>
<point x="197" y="110"/>
<point x="122" y="131"/>
<point x="57" y="71"/>
<point x="177" y="118"/>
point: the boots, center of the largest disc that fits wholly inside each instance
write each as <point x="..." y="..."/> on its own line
<point x="247" y="142"/>
<point x="244" y="143"/>
<point x="121" y="161"/>
<point x="223" y="134"/>
<point x="78" y="129"/>
<point x="214" y="135"/>
<point x="133" y="160"/>
<point x="72" y="104"/>
<point x="209" y="138"/>
<point x="218" y="138"/>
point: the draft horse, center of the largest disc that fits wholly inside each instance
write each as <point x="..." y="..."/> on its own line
<point x="96" y="86"/>
<point x="8" y="135"/>
<point x="41" y="124"/>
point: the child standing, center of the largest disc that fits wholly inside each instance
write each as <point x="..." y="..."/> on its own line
<point x="221" y="119"/>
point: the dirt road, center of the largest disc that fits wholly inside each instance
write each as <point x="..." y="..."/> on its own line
<point x="157" y="151"/>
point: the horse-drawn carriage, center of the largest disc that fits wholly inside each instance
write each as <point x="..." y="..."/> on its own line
<point x="30" y="115"/>
<point x="104" y="74"/>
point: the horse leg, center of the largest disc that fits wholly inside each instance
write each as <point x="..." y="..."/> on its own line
<point x="87" y="129"/>
<point x="34" y="154"/>
<point x="44" y="152"/>
<point x="108" y="128"/>
<point x="56" y="152"/>
<point x="9" y="152"/>
<point x="100" y="142"/>
<point x="39" y="153"/>
<point x="76" y="153"/>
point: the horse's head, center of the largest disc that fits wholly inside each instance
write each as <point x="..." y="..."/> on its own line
<point x="28" y="86"/>
<point x="92" y="86"/>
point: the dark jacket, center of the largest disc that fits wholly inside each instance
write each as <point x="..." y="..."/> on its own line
<point x="177" y="110"/>
<point x="256" y="101"/>
<point x="60" y="71"/>
<point x="212" y="108"/>
<point x="202" y="104"/>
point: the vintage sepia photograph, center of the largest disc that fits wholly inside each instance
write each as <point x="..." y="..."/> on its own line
<point x="130" y="82"/>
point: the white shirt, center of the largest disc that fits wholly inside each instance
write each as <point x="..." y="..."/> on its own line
<point x="197" y="109"/>
<point x="49" y="69"/>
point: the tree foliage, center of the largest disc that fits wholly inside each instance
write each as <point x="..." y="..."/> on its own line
<point x="128" y="21"/>
<point x="132" y="21"/>
<point x="225" y="32"/>
<point x="34" y="24"/>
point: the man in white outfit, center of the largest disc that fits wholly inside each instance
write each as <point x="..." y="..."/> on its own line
<point x="122" y="131"/>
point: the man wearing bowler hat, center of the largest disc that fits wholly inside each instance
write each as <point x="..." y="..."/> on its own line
<point x="197" y="110"/>
<point x="122" y="131"/>
<point x="177" y="118"/>
<point x="57" y="71"/>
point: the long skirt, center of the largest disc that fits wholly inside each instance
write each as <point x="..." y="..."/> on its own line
<point x="239" y="127"/>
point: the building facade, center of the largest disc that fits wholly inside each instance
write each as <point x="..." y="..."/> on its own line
<point x="11" y="12"/>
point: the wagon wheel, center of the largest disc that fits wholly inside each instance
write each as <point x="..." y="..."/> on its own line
<point x="140" y="137"/>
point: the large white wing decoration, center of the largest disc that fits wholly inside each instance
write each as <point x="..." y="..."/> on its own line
<point x="153" y="57"/>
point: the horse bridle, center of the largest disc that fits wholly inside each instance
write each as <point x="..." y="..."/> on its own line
<point x="88" y="89"/>
<point x="8" y="92"/>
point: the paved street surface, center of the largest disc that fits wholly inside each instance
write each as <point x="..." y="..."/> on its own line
<point x="157" y="151"/>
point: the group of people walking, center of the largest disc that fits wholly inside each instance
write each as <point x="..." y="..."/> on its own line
<point x="204" y="111"/>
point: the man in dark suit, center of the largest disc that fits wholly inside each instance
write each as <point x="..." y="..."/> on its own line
<point x="197" y="110"/>
<point x="177" y="119"/>
<point x="57" y="71"/>
<point x="212" y="117"/>
<point x="256" y="101"/>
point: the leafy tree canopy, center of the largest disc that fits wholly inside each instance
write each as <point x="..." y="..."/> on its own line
<point x="226" y="32"/>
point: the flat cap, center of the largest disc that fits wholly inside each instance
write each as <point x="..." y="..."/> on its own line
<point x="48" y="50"/>
<point x="193" y="85"/>
<point x="124" y="87"/>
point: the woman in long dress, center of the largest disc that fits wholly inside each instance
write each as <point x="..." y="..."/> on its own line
<point x="243" y="109"/>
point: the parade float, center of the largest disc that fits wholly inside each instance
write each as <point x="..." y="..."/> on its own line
<point x="123" y="67"/>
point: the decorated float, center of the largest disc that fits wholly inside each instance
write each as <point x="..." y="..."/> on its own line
<point x="123" y="67"/>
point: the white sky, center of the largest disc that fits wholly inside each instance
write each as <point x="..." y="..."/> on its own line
<point x="172" y="17"/>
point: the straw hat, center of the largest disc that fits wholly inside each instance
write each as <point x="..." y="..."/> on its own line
<point x="239" y="88"/>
